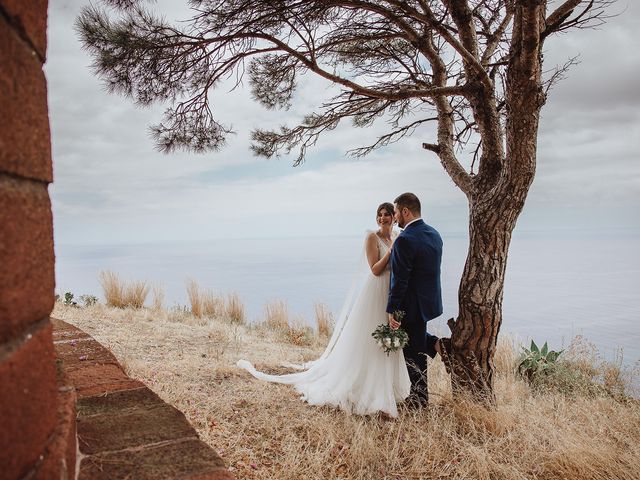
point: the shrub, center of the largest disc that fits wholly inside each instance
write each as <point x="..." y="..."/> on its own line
<point x="578" y="373"/>
<point x="594" y="376"/>
<point x="567" y="380"/>
<point x="88" y="300"/>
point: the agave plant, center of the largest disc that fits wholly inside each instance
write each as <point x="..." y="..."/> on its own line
<point x="536" y="361"/>
<point x="68" y="300"/>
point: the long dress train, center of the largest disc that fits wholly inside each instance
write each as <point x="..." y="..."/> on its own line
<point x="353" y="373"/>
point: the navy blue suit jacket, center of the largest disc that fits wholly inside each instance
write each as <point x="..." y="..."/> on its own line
<point x="415" y="281"/>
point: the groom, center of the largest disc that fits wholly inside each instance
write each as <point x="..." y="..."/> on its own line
<point x="415" y="290"/>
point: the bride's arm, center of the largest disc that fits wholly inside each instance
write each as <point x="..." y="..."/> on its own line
<point x="376" y="264"/>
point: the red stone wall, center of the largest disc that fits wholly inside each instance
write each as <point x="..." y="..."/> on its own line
<point x="37" y="427"/>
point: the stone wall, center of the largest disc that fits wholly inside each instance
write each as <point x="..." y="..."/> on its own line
<point x="37" y="438"/>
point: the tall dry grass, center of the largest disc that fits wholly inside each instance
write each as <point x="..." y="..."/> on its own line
<point x="120" y="294"/>
<point x="582" y="372"/>
<point x="195" y="299"/>
<point x="276" y="315"/>
<point x="206" y="303"/>
<point x="264" y="431"/>
<point x="212" y="305"/>
<point x="158" y="298"/>
<point x="234" y="308"/>
<point x="324" y="320"/>
<point x="112" y="289"/>
<point x="278" y="320"/>
<point x="135" y="294"/>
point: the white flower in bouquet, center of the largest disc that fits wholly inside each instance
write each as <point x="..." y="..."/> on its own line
<point x="390" y="339"/>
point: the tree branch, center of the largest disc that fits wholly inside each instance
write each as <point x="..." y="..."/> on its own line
<point x="472" y="62"/>
<point x="593" y="14"/>
<point x="560" y="13"/>
<point x="495" y="38"/>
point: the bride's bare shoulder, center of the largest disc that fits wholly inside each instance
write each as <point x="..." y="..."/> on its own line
<point x="370" y="236"/>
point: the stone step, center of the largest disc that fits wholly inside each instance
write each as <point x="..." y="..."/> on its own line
<point x="124" y="429"/>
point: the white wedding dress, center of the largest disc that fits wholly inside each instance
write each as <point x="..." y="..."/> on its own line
<point x="353" y="373"/>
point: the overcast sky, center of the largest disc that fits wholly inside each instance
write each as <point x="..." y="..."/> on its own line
<point x="112" y="186"/>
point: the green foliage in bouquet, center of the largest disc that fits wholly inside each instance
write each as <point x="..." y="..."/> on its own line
<point x="389" y="339"/>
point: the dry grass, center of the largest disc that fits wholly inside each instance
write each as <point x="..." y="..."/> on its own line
<point x="120" y="294"/>
<point x="276" y="315"/>
<point x="234" y="308"/>
<point x="135" y="294"/>
<point x="582" y="372"/>
<point x="195" y="299"/>
<point x="277" y="320"/>
<point x="206" y="303"/>
<point x="158" y="298"/>
<point x="324" y="320"/>
<point x="299" y="333"/>
<point x="212" y="305"/>
<point x="265" y="432"/>
<point x="112" y="288"/>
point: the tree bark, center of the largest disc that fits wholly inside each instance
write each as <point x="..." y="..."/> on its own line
<point x="492" y="219"/>
<point x="475" y="333"/>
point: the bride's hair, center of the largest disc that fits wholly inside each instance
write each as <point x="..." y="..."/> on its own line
<point x="388" y="207"/>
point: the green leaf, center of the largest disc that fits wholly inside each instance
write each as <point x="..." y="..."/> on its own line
<point x="534" y="347"/>
<point x="545" y="349"/>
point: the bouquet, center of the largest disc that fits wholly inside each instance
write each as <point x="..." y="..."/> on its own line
<point x="389" y="339"/>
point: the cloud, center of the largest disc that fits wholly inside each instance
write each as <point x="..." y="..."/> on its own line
<point x="112" y="186"/>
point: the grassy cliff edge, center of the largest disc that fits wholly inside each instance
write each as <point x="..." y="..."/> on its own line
<point x="265" y="432"/>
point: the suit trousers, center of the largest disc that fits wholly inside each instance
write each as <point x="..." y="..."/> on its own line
<point x="415" y="352"/>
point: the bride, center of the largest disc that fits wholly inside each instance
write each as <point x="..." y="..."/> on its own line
<point x="354" y="373"/>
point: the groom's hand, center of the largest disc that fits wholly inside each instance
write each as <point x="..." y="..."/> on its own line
<point x="393" y="323"/>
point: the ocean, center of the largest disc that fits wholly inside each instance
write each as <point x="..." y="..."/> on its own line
<point x="558" y="285"/>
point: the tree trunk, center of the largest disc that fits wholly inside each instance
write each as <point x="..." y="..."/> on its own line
<point x="475" y="333"/>
<point x="492" y="218"/>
